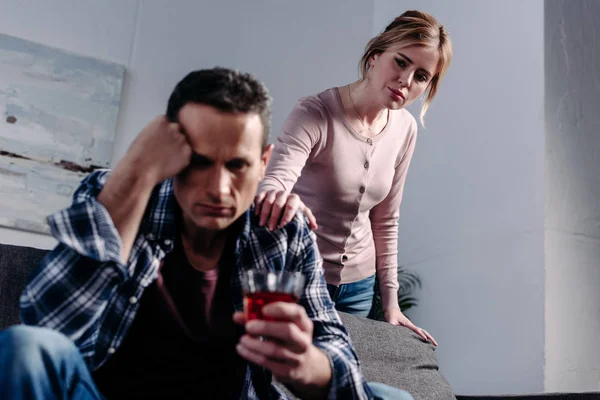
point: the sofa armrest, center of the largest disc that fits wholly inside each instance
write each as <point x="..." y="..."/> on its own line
<point x="398" y="357"/>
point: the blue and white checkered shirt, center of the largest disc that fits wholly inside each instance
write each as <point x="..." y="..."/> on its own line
<point x="83" y="290"/>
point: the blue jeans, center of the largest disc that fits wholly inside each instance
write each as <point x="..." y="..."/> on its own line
<point x="38" y="363"/>
<point x="354" y="298"/>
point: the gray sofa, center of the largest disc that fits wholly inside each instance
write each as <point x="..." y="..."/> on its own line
<point x="391" y="355"/>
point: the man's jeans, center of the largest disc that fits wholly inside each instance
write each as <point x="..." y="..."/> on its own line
<point x="38" y="363"/>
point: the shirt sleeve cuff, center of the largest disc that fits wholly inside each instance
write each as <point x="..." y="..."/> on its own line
<point x="389" y="298"/>
<point x="346" y="380"/>
<point x="88" y="229"/>
<point x="270" y="184"/>
<point x="333" y="384"/>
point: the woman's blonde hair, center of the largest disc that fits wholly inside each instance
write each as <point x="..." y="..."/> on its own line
<point x="413" y="28"/>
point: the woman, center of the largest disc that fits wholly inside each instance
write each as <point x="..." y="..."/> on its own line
<point x="344" y="154"/>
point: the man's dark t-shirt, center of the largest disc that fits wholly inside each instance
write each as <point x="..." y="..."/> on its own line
<point x="182" y="341"/>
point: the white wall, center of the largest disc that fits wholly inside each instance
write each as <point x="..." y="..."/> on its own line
<point x="294" y="49"/>
<point x="472" y="222"/>
<point x="572" y="195"/>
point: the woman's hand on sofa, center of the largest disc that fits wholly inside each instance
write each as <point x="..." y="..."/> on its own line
<point x="395" y="317"/>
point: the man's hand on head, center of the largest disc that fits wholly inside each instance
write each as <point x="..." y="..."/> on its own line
<point x="160" y="151"/>
<point x="285" y="348"/>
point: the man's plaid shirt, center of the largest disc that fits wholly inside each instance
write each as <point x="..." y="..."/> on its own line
<point x="83" y="290"/>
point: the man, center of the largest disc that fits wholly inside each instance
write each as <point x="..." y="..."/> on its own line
<point x="146" y="276"/>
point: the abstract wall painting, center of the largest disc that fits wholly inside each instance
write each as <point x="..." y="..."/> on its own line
<point x="59" y="118"/>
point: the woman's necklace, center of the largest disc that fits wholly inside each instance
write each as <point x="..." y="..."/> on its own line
<point x="358" y="115"/>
